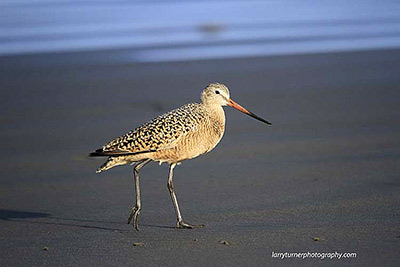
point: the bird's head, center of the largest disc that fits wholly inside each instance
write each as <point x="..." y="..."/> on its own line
<point x="215" y="94"/>
<point x="218" y="94"/>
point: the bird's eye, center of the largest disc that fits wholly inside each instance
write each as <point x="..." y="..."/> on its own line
<point x="217" y="92"/>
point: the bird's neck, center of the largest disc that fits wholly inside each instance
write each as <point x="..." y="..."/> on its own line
<point x="217" y="113"/>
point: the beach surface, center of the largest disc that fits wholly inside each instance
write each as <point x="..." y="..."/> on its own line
<point x="324" y="178"/>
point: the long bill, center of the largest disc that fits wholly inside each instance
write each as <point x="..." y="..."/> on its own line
<point x="235" y="105"/>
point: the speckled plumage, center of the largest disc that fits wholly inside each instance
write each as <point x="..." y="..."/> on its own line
<point x="161" y="132"/>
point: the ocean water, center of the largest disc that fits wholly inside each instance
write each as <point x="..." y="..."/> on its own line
<point x="162" y="31"/>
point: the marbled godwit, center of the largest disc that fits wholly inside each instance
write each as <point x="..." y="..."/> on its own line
<point x="181" y="134"/>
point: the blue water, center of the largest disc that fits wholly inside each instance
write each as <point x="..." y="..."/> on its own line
<point x="154" y="31"/>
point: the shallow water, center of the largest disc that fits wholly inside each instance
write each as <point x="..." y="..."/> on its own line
<point x="168" y="31"/>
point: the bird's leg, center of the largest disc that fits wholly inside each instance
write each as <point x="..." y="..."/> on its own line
<point x="180" y="223"/>
<point x="135" y="211"/>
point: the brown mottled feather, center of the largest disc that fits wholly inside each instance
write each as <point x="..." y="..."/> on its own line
<point x="163" y="132"/>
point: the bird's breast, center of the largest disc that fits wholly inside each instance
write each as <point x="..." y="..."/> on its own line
<point x="205" y="134"/>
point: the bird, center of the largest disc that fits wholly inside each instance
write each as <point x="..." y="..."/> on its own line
<point x="181" y="134"/>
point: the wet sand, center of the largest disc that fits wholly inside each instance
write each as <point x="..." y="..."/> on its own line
<point x="326" y="170"/>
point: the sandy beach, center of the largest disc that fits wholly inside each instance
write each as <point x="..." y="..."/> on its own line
<point x="323" y="178"/>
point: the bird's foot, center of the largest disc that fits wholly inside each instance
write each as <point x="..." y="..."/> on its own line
<point x="183" y="225"/>
<point x="135" y="211"/>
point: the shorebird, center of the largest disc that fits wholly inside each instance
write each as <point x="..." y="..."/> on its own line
<point x="184" y="133"/>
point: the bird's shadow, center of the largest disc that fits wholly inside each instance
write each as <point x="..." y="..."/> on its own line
<point x="22" y="216"/>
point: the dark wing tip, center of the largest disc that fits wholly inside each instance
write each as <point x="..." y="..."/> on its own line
<point x="98" y="153"/>
<point x="101" y="153"/>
